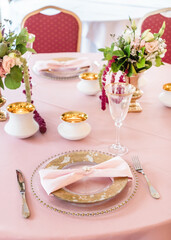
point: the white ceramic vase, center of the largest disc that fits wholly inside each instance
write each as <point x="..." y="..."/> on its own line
<point x="21" y="123"/>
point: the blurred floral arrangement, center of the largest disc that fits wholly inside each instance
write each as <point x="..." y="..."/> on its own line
<point x="131" y="54"/>
<point x="13" y="65"/>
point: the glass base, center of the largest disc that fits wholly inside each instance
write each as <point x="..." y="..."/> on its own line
<point x="118" y="150"/>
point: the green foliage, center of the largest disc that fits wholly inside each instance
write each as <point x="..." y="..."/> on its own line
<point x="13" y="79"/>
<point x="158" y="61"/>
<point x="1" y="83"/>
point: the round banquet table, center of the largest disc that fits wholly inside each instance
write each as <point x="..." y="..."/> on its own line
<point x="147" y="134"/>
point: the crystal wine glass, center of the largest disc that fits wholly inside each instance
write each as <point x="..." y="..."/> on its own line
<point x="119" y="95"/>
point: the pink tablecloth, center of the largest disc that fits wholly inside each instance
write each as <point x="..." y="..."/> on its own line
<point x="148" y="134"/>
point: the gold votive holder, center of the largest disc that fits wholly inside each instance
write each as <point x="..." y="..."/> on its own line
<point x="165" y="95"/>
<point x="74" y="125"/>
<point x="21" y="123"/>
<point x="89" y="83"/>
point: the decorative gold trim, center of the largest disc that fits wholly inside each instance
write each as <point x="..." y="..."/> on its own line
<point x="83" y="214"/>
<point x="61" y="10"/>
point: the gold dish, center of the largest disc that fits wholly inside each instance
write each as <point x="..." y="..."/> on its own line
<point x="20" y="107"/>
<point x="89" y="76"/>
<point x="63" y="161"/>
<point x="167" y="87"/>
<point x="74" y="117"/>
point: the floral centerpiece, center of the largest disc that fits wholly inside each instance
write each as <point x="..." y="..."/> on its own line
<point x="131" y="54"/>
<point x="13" y="65"/>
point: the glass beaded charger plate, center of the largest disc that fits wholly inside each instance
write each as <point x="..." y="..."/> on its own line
<point x="86" y="197"/>
<point x="63" y="72"/>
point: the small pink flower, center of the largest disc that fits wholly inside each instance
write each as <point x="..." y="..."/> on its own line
<point x="137" y="43"/>
<point x="151" y="46"/>
<point x="142" y="43"/>
<point x="8" y="63"/>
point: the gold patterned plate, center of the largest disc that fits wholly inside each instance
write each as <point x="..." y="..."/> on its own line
<point x="58" y="205"/>
<point x="88" y="190"/>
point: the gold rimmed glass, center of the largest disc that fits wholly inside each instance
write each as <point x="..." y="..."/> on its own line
<point x="119" y="95"/>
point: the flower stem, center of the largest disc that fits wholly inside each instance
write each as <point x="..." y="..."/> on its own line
<point x="26" y="80"/>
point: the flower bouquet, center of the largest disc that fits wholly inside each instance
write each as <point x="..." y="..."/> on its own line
<point x="130" y="55"/>
<point x="13" y="65"/>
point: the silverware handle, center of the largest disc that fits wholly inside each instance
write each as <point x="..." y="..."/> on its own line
<point x="153" y="191"/>
<point x="25" y="209"/>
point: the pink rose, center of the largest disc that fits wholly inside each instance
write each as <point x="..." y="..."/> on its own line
<point x="8" y="63"/>
<point x="138" y="44"/>
<point x="2" y="72"/>
<point x="142" y="43"/>
<point x="151" y="46"/>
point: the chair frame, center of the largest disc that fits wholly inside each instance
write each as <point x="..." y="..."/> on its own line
<point x="162" y="10"/>
<point x="61" y="10"/>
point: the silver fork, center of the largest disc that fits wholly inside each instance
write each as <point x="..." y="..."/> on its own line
<point x="138" y="168"/>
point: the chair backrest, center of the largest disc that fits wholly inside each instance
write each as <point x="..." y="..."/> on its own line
<point x="60" y="32"/>
<point x="153" y="21"/>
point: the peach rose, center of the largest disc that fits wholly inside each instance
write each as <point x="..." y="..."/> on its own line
<point x="8" y="63"/>
<point x="138" y="43"/>
<point x="2" y="72"/>
<point x="151" y="46"/>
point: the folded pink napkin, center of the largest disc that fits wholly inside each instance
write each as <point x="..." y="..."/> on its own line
<point x="54" y="179"/>
<point x="54" y="65"/>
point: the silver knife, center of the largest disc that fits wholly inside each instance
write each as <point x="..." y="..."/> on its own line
<point x="22" y="188"/>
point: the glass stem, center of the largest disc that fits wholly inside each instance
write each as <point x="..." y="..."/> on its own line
<point x="118" y="126"/>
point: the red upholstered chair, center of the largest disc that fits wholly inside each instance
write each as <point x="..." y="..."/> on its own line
<point x="54" y="33"/>
<point x="153" y="21"/>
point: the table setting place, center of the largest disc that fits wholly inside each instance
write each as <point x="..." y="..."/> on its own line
<point x="73" y="168"/>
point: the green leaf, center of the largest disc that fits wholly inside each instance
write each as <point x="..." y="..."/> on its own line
<point x="158" y="61"/>
<point x="112" y="46"/>
<point x="31" y="50"/>
<point x="156" y="35"/>
<point x="101" y="49"/>
<point x="161" y="31"/>
<point x="13" y="79"/>
<point x="131" y="70"/>
<point x="23" y="37"/>
<point x="121" y="62"/>
<point x="127" y="50"/>
<point x="21" y="48"/>
<point x="114" y="67"/>
<point x="1" y="83"/>
<point x="148" y="64"/>
<point x="109" y="56"/>
<point x="118" y="53"/>
<point x="141" y="63"/>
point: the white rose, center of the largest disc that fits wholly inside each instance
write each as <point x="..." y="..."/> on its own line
<point x="147" y="35"/>
<point x="128" y="36"/>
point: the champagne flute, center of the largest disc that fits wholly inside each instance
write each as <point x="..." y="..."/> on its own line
<point x="119" y="95"/>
